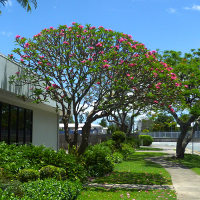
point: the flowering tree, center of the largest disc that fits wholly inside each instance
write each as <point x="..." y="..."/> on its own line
<point x="87" y="67"/>
<point x="187" y="69"/>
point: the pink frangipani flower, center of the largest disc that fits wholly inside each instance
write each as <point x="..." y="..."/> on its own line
<point x="65" y="42"/>
<point x="17" y="36"/>
<point x="99" y="44"/>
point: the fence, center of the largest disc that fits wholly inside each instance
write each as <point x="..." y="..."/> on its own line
<point x="93" y="139"/>
<point x="168" y="134"/>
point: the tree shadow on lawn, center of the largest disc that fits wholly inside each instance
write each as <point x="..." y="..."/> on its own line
<point x="143" y="155"/>
<point x="133" y="178"/>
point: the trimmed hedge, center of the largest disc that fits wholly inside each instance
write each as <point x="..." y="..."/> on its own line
<point x="119" y="137"/>
<point x="26" y="175"/>
<point x="145" y="140"/>
<point x="51" y="171"/>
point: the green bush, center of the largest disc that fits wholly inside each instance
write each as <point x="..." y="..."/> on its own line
<point x="134" y="142"/>
<point x="127" y="151"/>
<point x="14" y="158"/>
<point x="117" y="157"/>
<point x="97" y="160"/>
<point x="110" y="144"/>
<point x="10" y="187"/>
<point x="51" y="171"/>
<point x="119" y="137"/>
<point x="145" y="140"/>
<point x="26" y="175"/>
<point x="48" y="189"/>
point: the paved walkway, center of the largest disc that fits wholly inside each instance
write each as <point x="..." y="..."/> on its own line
<point x="185" y="181"/>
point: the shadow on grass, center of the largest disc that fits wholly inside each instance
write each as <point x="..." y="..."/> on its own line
<point x="142" y="155"/>
<point x="133" y="178"/>
<point x="189" y="161"/>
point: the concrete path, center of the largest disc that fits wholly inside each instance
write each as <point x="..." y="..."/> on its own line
<point x="185" y="181"/>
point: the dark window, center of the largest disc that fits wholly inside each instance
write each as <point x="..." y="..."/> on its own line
<point x="21" y="126"/>
<point x="15" y="124"/>
<point x="28" y="130"/>
<point x="4" y="122"/>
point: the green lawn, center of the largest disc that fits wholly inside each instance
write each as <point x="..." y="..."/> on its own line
<point x="138" y="171"/>
<point x="117" y="194"/>
<point x="191" y="161"/>
<point x="148" y="149"/>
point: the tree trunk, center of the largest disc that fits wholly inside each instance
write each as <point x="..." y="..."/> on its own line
<point x="181" y="145"/>
<point x="75" y="139"/>
<point x="85" y="137"/>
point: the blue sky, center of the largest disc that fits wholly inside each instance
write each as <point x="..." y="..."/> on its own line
<point x="159" y="24"/>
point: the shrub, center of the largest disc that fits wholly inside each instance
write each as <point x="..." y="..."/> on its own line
<point x="134" y="142"/>
<point x="51" y="171"/>
<point x="126" y="150"/>
<point x="11" y="189"/>
<point x="26" y="175"/>
<point x="14" y="158"/>
<point x="110" y="144"/>
<point x="145" y="140"/>
<point x="117" y="157"/>
<point x="48" y="189"/>
<point x="119" y="137"/>
<point x="98" y="161"/>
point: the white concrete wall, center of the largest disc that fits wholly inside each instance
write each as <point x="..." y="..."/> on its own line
<point x="45" y="120"/>
<point x="45" y="129"/>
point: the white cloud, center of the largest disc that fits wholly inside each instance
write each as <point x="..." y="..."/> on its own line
<point x="194" y="7"/>
<point x="7" y="34"/>
<point x="9" y="3"/>
<point x="171" y="10"/>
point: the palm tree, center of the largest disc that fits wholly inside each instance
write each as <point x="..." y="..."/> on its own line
<point x="24" y="3"/>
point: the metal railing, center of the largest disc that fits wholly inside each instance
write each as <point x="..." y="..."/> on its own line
<point x="168" y="134"/>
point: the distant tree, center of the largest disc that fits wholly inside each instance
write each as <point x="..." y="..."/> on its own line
<point x="103" y="123"/>
<point x="81" y="118"/>
<point x="162" y="122"/>
<point x="123" y="119"/>
<point x="26" y="4"/>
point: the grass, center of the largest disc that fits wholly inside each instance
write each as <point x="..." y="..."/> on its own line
<point x="117" y="194"/>
<point x="191" y="161"/>
<point x="148" y="149"/>
<point x="138" y="171"/>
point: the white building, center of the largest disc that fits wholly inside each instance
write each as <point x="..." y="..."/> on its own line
<point x="95" y="128"/>
<point x="21" y="121"/>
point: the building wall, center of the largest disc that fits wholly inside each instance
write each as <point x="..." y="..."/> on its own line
<point x="45" y="131"/>
<point x="45" y="118"/>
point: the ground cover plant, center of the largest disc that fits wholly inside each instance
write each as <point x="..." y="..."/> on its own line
<point x="15" y="158"/>
<point x="117" y="194"/>
<point x="49" y="189"/>
<point x="190" y="160"/>
<point x="138" y="171"/>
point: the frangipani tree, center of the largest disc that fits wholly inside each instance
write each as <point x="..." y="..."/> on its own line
<point x="87" y="67"/>
<point x="187" y="68"/>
